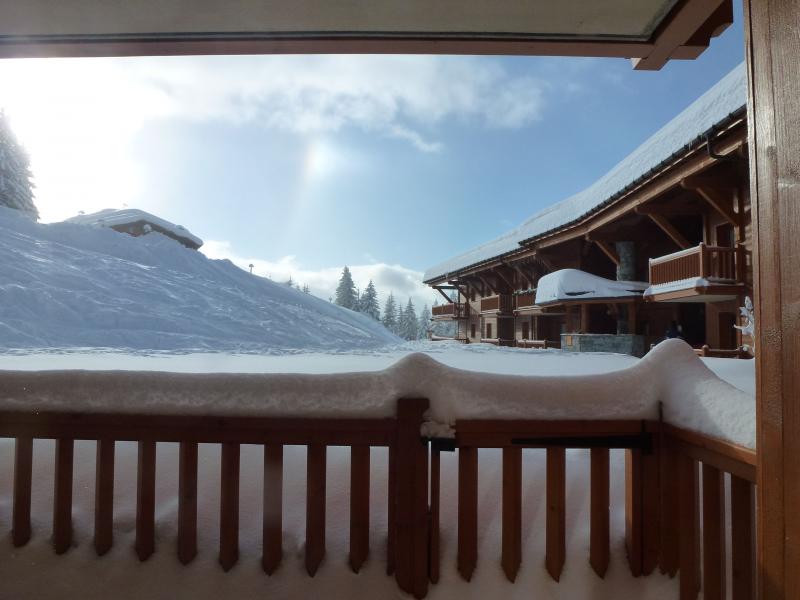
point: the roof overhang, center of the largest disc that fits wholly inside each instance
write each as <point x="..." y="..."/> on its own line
<point x="649" y="31"/>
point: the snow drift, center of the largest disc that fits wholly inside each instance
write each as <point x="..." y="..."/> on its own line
<point x="572" y="284"/>
<point x="67" y="285"/>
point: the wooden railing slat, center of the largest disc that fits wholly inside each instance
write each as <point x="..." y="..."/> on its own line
<point x="62" y="496"/>
<point x="187" y="502"/>
<point x="391" y="512"/>
<point x="435" y="492"/>
<point x="689" y="528"/>
<point x="315" y="507"/>
<point x="104" y="497"/>
<point x="599" y="511"/>
<point x="555" y="553"/>
<point x="146" y="500"/>
<point x="467" y="511"/>
<point x="512" y="511"/>
<point x="229" y="506"/>
<point x="359" y="506"/>
<point x="713" y="534"/>
<point x="273" y="508"/>
<point x="670" y="544"/>
<point x="651" y="507"/>
<point x="23" y="472"/>
<point x="742" y="538"/>
<point x="633" y="510"/>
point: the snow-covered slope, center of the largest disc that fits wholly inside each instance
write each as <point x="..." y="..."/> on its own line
<point x="69" y="285"/>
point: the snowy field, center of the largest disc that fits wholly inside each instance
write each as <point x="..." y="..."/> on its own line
<point x="34" y="572"/>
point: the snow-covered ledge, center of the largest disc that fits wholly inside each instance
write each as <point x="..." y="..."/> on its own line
<point x="692" y="396"/>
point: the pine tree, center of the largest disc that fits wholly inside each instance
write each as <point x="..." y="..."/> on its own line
<point x="408" y="322"/>
<point x="290" y="282"/>
<point x="424" y="323"/>
<point x="346" y="291"/>
<point x="390" y="314"/>
<point x="305" y="288"/>
<point x="16" y="189"/>
<point x="368" y="303"/>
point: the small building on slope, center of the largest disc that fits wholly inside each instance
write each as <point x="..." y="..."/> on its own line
<point x="138" y="222"/>
<point x="659" y="246"/>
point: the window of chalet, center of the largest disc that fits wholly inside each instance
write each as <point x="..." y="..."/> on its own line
<point x="472" y="330"/>
<point x="489" y="331"/>
<point x="525" y="330"/>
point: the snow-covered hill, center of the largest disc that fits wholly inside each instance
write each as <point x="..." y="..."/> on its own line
<point x="67" y="285"/>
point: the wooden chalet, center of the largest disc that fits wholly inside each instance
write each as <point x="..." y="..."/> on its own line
<point x="699" y="235"/>
<point x="136" y="223"/>
<point x="672" y="219"/>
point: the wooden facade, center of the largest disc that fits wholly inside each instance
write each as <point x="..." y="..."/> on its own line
<point x="690" y="231"/>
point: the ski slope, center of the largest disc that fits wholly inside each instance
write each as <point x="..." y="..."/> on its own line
<point x="67" y="285"/>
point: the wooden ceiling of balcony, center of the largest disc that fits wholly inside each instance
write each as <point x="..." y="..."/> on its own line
<point x="649" y="31"/>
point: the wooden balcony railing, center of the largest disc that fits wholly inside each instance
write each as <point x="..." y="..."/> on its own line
<point x="716" y="263"/>
<point x="662" y="470"/>
<point x="526" y="300"/>
<point x="501" y="303"/>
<point x="453" y="310"/>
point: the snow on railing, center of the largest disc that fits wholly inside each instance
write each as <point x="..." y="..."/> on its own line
<point x="669" y="413"/>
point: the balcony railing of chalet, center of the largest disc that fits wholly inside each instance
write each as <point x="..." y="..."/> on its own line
<point x="502" y="303"/>
<point x="715" y="263"/>
<point x="662" y="470"/>
<point x="526" y="300"/>
<point x="451" y="309"/>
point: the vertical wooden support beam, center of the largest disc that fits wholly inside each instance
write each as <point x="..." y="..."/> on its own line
<point x="359" y="506"/>
<point x="62" y="496"/>
<point x="23" y="470"/>
<point x="187" y="502"/>
<point x="272" y="528"/>
<point x="713" y="534"/>
<point x="316" y="478"/>
<point x="467" y="511"/>
<point x="633" y="510"/>
<point x="146" y="500"/>
<point x="689" y="528"/>
<point x="670" y="531"/>
<point x="435" y="491"/>
<point x="742" y="539"/>
<point x="412" y="498"/>
<point x="599" y="509"/>
<point x="104" y="497"/>
<point x="774" y="145"/>
<point x="651" y="506"/>
<point x="229" y="506"/>
<point x="585" y="324"/>
<point x="555" y="553"/>
<point x="512" y="511"/>
<point x="391" y="512"/>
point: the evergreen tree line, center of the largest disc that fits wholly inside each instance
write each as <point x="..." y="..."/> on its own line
<point x="404" y="322"/>
<point x="16" y="189"/>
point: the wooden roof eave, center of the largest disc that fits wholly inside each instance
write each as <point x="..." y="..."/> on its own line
<point x="670" y="176"/>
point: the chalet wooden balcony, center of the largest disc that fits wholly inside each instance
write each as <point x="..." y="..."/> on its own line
<point x="453" y="310"/>
<point x="497" y="304"/>
<point x="703" y="273"/>
<point x="525" y="301"/>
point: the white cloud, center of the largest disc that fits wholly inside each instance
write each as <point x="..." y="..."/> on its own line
<point x="403" y="282"/>
<point x="79" y="117"/>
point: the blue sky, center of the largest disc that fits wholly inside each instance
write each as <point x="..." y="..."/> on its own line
<point x="303" y="164"/>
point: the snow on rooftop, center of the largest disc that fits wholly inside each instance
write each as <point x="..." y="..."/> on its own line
<point x="728" y="96"/>
<point x="573" y="284"/>
<point x="110" y="217"/>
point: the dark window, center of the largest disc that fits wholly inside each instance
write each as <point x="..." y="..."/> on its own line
<point x="525" y="330"/>
<point x="489" y="331"/>
<point x="725" y="235"/>
<point x="472" y="330"/>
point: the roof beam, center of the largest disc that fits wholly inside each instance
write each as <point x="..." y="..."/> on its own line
<point x="608" y="251"/>
<point x="679" y="28"/>
<point x="672" y="210"/>
<point x="487" y="283"/>
<point x="670" y="230"/>
<point x="720" y="202"/>
<point x="445" y="296"/>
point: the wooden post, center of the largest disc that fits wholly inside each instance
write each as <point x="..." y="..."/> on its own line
<point x="599" y="507"/>
<point x="62" y="496"/>
<point x="688" y="508"/>
<point x="229" y="506"/>
<point x="187" y="502"/>
<point x="272" y="528"/>
<point x="467" y="511"/>
<point x="713" y="534"/>
<point x="434" y="520"/>
<point x="359" y="506"/>
<point x="316" y="471"/>
<point x="772" y="52"/>
<point x="512" y="511"/>
<point x="411" y="499"/>
<point x="555" y="534"/>
<point x="104" y="497"/>
<point x="146" y="500"/>
<point x="23" y="465"/>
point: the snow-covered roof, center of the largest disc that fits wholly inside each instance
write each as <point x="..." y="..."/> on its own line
<point x="727" y="97"/>
<point x="111" y="217"/>
<point x="571" y="284"/>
